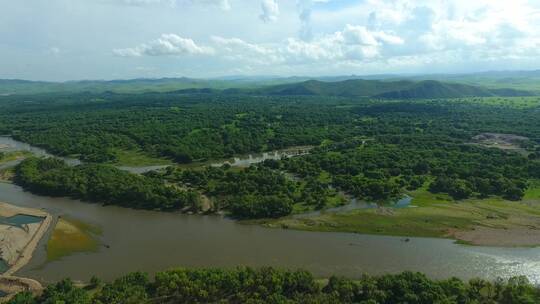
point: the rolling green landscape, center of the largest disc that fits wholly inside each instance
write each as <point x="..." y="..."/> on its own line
<point x="449" y="152"/>
<point x="270" y="151"/>
<point x="399" y="158"/>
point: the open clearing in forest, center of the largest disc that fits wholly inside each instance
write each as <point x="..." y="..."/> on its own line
<point x="137" y="158"/>
<point x="509" y="142"/>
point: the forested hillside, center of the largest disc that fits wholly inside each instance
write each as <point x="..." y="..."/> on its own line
<point x="403" y="89"/>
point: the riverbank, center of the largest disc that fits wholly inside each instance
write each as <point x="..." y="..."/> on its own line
<point x="487" y="222"/>
<point x="19" y="241"/>
<point x="131" y="236"/>
<point x="19" y="244"/>
<point x="13" y="285"/>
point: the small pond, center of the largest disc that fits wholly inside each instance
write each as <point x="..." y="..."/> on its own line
<point x="20" y="220"/>
<point x="355" y="204"/>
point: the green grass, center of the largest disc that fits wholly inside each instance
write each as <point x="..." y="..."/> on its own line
<point x="430" y="215"/>
<point x="11" y="156"/>
<point x="533" y="192"/>
<point x="138" y="158"/>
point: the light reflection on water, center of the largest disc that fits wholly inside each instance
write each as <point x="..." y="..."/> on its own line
<point x="9" y="144"/>
<point x="511" y="265"/>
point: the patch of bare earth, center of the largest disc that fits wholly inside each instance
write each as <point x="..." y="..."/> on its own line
<point x="514" y="231"/>
<point x="17" y="246"/>
<point x="505" y="237"/>
<point x="14" y="285"/>
<point x="510" y="142"/>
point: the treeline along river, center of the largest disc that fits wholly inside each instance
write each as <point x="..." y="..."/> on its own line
<point x="154" y="241"/>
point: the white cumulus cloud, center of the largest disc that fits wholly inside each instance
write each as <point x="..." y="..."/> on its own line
<point x="270" y="10"/>
<point x="223" y="4"/>
<point x="166" y="45"/>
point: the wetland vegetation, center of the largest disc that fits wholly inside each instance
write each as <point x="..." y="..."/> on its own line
<point x="71" y="236"/>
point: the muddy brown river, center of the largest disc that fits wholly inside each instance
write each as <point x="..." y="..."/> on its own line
<point x="155" y="241"/>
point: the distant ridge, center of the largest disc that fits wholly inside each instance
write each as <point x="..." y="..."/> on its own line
<point x="496" y="83"/>
<point x="403" y="89"/>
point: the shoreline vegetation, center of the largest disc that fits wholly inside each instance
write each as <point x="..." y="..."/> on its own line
<point x="269" y="285"/>
<point x="21" y="243"/>
<point x="491" y="221"/>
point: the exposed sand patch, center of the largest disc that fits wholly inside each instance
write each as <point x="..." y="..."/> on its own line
<point x="18" y="244"/>
<point x="6" y="175"/>
<point x="509" y="237"/>
<point x="514" y="231"/>
<point x="206" y="204"/>
<point x="14" y="285"/>
<point x="7" y="210"/>
<point x="508" y="142"/>
<point x="14" y="240"/>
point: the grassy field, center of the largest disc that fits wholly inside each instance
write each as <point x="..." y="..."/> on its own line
<point x="71" y="236"/>
<point x="11" y="156"/>
<point x="533" y="192"/>
<point x="429" y="215"/>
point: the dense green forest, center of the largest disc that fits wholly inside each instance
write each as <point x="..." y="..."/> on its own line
<point x="258" y="191"/>
<point x="101" y="183"/>
<point x="367" y="148"/>
<point x="183" y="128"/>
<point x="267" y="285"/>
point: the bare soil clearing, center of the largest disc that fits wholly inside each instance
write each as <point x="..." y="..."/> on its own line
<point x="509" y="142"/>
<point x="509" y="237"/>
<point x="17" y="247"/>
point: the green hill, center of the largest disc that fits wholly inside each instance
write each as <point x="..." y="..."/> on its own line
<point x="347" y="88"/>
<point x="402" y="89"/>
<point x="293" y="86"/>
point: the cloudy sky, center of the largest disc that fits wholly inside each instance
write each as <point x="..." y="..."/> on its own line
<point x="112" y="39"/>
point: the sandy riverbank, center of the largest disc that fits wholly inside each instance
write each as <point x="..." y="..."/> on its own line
<point x="14" y="285"/>
<point x="509" y="237"/>
<point x="21" y="243"/>
<point x="18" y="245"/>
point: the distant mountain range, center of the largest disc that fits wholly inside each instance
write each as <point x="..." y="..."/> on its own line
<point x="503" y="83"/>
<point x="403" y="89"/>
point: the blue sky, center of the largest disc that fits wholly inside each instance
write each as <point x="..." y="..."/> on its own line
<point x="113" y="39"/>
